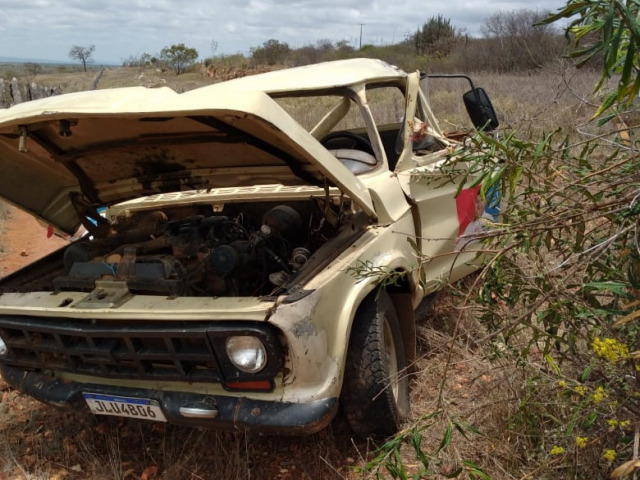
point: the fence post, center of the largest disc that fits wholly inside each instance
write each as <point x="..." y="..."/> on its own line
<point x="32" y="91"/>
<point x="4" y="101"/>
<point x="14" y="91"/>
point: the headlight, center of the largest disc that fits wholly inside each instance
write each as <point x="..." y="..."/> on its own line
<point x="3" y="347"/>
<point x="247" y="353"/>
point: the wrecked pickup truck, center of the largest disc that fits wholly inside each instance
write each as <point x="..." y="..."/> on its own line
<point x="223" y="277"/>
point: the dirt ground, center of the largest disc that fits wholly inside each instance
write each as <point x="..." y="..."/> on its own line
<point x="23" y="240"/>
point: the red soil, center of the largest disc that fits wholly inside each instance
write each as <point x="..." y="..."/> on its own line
<point x="23" y="240"/>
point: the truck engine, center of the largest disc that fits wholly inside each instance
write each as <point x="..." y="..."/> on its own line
<point x="246" y="249"/>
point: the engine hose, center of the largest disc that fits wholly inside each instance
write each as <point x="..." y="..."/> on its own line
<point x="278" y="260"/>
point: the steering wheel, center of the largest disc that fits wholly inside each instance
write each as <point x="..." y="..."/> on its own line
<point x="348" y="140"/>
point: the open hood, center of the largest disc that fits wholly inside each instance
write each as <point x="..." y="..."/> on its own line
<point x="108" y="146"/>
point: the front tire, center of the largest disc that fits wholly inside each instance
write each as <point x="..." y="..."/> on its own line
<point x="375" y="392"/>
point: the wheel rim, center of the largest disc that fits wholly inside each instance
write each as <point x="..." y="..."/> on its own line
<point x="391" y="359"/>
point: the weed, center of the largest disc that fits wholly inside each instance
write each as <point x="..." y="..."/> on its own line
<point x="388" y="457"/>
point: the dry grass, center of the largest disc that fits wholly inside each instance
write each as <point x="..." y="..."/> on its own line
<point x="39" y="442"/>
<point x="465" y="382"/>
<point x="532" y="104"/>
<point x="74" y="80"/>
<point x="149" y="77"/>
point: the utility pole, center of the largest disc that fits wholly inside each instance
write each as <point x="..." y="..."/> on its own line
<point x="361" y="24"/>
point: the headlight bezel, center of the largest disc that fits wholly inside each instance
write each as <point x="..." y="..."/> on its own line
<point x="237" y="379"/>
<point x="247" y="353"/>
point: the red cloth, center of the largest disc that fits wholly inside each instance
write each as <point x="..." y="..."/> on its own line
<point x="466" y="206"/>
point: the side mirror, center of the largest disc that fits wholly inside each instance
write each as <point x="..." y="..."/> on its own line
<point x="480" y="109"/>
<point x="477" y="102"/>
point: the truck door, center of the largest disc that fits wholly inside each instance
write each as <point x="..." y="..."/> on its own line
<point x="442" y="219"/>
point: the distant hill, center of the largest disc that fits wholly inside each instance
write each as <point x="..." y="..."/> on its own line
<point x="46" y="62"/>
<point x="33" y="60"/>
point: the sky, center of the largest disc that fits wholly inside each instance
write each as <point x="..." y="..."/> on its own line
<point x="47" y="29"/>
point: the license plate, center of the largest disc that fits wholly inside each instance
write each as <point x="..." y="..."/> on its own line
<point x="130" y="407"/>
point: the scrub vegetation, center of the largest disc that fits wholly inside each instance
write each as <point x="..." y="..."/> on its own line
<point x="527" y="370"/>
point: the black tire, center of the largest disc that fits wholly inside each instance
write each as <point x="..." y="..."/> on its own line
<point x="375" y="392"/>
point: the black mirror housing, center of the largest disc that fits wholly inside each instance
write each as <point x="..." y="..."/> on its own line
<point x="480" y="109"/>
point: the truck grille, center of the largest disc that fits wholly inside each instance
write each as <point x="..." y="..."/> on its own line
<point x="165" y="351"/>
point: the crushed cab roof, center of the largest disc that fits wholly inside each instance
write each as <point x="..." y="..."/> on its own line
<point x="319" y="76"/>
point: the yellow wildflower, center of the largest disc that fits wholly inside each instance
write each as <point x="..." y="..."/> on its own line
<point x="556" y="450"/>
<point x="562" y="383"/>
<point x="610" y="349"/>
<point x="599" y="394"/>
<point x="581" y="442"/>
<point x="625" y="423"/>
<point x="581" y="390"/>
<point x="613" y="423"/>
<point x="609" y="455"/>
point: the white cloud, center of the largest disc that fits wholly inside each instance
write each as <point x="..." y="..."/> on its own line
<point x="46" y="29"/>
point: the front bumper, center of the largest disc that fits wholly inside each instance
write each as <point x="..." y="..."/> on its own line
<point x="216" y="411"/>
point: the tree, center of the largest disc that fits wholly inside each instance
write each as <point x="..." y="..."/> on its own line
<point x="322" y="51"/>
<point x="611" y="31"/>
<point x="179" y="57"/>
<point x="82" y="54"/>
<point x="142" y="60"/>
<point x="436" y="37"/>
<point x="271" y="52"/>
<point x="518" y="41"/>
<point x="33" y="69"/>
